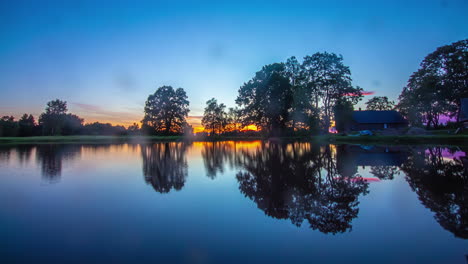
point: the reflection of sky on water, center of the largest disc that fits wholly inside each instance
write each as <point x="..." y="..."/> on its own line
<point x="103" y="203"/>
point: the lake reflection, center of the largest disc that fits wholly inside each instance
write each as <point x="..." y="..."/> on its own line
<point x="228" y="197"/>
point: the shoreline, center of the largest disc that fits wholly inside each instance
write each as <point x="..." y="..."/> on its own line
<point x="327" y="139"/>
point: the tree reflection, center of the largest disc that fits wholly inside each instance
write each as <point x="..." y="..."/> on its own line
<point x="51" y="157"/>
<point x="165" y="165"/>
<point x="216" y="154"/>
<point x="385" y="172"/>
<point x="442" y="186"/>
<point x="24" y="153"/>
<point x="301" y="182"/>
<point x="5" y="154"/>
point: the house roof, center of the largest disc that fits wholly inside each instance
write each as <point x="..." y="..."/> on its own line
<point x="378" y="117"/>
<point x="463" y="110"/>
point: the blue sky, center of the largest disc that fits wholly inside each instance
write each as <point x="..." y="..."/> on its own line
<point x="106" y="57"/>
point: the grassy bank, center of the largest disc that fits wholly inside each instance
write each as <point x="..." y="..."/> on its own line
<point x="384" y="140"/>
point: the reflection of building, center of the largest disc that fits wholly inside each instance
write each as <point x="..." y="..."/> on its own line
<point x="376" y="120"/>
<point x="350" y="157"/>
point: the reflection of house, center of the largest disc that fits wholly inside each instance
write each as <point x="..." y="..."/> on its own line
<point x="349" y="157"/>
<point x="463" y="114"/>
<point x="374" y="120"/>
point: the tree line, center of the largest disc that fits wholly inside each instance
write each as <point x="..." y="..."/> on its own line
<point x="285" y="98"/>
<point x="55" y="120"/>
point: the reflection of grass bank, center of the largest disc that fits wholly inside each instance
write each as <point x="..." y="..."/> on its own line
<point x="416" y="139"/>
<point x="86" y="139"/>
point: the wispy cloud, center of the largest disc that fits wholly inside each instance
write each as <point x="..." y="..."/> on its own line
<point x="363" y="93"/>
<point x="95" y="113"/>
<point x="87" y="107"/>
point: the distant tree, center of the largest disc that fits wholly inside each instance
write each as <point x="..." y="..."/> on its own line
<point x="97" y="128"/>
<point x="56" y="121"/>
<point x="72" y="124"/>
<point x="214" y="117"/>
<point x="133" y="129"/>
<point x="166" y="111"/>
<point x="380" y="103"/>
<point x="436" y="88"/>
<point x="327" y="81"/>
<point x="233" y="119"/>
<point x="187" y="129"/>
<point x="8" y="127"/>
<point x="56" y="107"/>
<point x="27" y="126"/>
<point x="266" y="99"/>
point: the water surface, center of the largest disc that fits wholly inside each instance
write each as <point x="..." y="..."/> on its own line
<point x="233" y="202"/>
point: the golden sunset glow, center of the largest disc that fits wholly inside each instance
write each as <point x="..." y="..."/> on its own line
<point x="250" y="128"/>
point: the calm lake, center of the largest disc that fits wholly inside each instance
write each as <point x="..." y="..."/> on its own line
<point x="233" y="202"/>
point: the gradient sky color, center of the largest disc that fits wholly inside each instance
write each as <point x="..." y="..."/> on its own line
<point x="106" y="57"/>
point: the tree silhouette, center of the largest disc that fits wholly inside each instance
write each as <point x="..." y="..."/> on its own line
<point x="8" y="126"/>
<point x="27" y="125"/>
<point x="166" y="111"/>
<point x="436" y="88"/>
<point x="328" y="80"/>
<point x="56" y="121"/>
<point x="266" y="99"/>
<point x="380" y="103"/>
<point x="442" y="187"/>
<point x="214" y="117"/>
<point x="165" y="165"/>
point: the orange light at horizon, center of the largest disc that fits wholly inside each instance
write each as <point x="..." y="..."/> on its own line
<point x="198" y="129"/>
<point x="250" y="128"/>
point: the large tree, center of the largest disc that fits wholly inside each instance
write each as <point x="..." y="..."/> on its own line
<point x="266" y="99"/>
<point x="215" y="117"/>
<point x="380" y="103"/>
<point x="166" y="110"/>
<point x="327" y="81"/>
<point x="303" y="114"/>
<point x="436" y="88"/>
<point x="56" y="121"/>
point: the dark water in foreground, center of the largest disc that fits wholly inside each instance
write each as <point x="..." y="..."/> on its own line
<point x="233" y="202"/>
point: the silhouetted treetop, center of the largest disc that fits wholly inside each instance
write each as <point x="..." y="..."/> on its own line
<point x="436" y="88"/>
<point x="166" y="110"/>
<point x="380" y="103"/>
